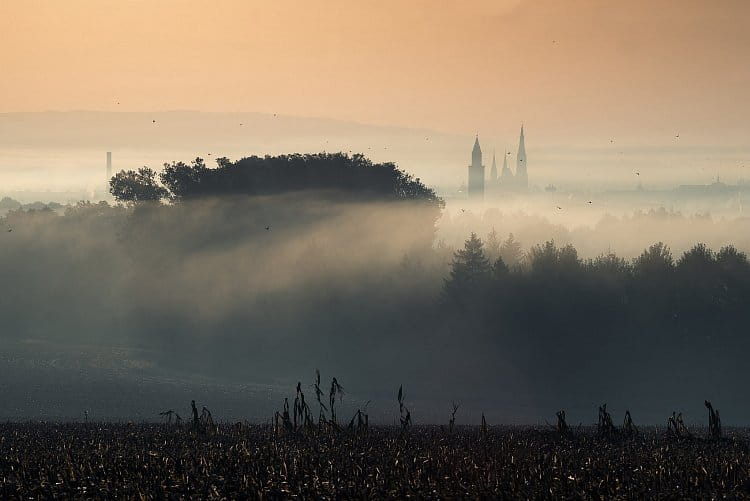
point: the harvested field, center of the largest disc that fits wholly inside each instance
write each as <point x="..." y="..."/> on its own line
<point x="103" y="460"/>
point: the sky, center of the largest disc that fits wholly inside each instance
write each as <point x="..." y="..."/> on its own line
<point x="578" y="73"/>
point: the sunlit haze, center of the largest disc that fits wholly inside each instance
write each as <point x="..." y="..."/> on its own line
<point x="604" y="88"/>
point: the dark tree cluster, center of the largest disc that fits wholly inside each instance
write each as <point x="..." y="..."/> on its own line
<point x="625" y="320"/>
<point x="337" y="172"/>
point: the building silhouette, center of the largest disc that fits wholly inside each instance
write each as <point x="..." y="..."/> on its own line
<point x="109" y="166"/>
<point x="507" y="180"/>
<point x="521" y="180"/>
<point x="476" y="172"/>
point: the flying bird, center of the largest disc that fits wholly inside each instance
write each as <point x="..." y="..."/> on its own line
<point x="153" y="121"/>
<point x="268" y="228"/>
<point x="10" y="229"/>
<point x="463" y="210"/>
<point x="591" y="202"/>
<point x="637" y="173"/>
<point x="559" y="208"/>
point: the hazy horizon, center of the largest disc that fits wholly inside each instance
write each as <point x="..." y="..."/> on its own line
<point x="66" y="150"/>
<point x="604" y="88"/>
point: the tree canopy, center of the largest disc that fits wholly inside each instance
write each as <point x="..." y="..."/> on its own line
<point x="337" y="172"/>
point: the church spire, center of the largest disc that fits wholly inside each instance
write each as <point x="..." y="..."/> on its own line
<point x="476" y="172"/>
<point x="522" y="177"/>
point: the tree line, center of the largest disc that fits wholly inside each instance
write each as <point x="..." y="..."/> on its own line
<point x="623" y="322"/>
<point x="266" y="175"/>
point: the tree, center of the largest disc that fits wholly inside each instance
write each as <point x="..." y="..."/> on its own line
<point x="499" y="269"/>
<point x="543" y="258"/>
<point x="610" y="265"/>
<point x="733" y="270"/>
<point x="336" y="172"/>
<point x="567" y="258"/>
<point x="548" y="258"/>
<point x="732" y="261"/>
<point x="510" y="251"/>
<point x="697" y="260"/>
<point x="184" y="181"/>
<point x="136" y="186"/>
<point x="492" y="246"/>
<point x="657" y="259"/>
<point x="470" y="269"/>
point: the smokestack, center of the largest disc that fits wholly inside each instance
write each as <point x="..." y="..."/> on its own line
<point x="109" y="166"/>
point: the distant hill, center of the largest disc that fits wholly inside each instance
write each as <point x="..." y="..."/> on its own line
<point x="68" y="148"/>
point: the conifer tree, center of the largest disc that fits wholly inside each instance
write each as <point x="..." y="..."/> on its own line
<point x="470" y="269"/>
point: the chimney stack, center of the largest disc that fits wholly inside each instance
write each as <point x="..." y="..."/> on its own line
<point x="109" y="166"/>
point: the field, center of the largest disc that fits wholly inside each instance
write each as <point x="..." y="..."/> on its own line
<point x="125" y="460"/>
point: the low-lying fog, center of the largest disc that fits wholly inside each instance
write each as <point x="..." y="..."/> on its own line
<point x="126" y="312"/>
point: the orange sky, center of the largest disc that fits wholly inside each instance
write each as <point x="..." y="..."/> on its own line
<point x="574" y="70"/>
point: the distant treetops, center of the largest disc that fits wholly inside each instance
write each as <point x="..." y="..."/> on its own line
<point x="333" y="172"/>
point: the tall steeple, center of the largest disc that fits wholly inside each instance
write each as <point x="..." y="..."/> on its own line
<point x="476" y="172"/>
<point x="522" y="177"/>
<point x="476" y="152"/>
<point x="493" y="170"/>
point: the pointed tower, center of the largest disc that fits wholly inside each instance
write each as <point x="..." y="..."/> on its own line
<point x="506" y="176"/>
<point x="476" y="172"/>
<point x="493" y="170"/>
<point x="522" y="176"/>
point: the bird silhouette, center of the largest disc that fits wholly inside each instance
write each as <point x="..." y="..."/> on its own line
<point x="559" y="208"/>
<point x="637" y="173"/>
<point x="10" y="229"/>
<point x="590" y="202"/>
<point x="463" y="210"/>
<point x="268" y="228"/>
<point x="153" y="121"/>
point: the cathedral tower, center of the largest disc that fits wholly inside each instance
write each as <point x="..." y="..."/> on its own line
<point x="476" y="172"/>
<point x="522" y="176"/>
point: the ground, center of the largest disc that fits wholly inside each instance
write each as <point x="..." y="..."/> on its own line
<point x="126" y="460"/>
